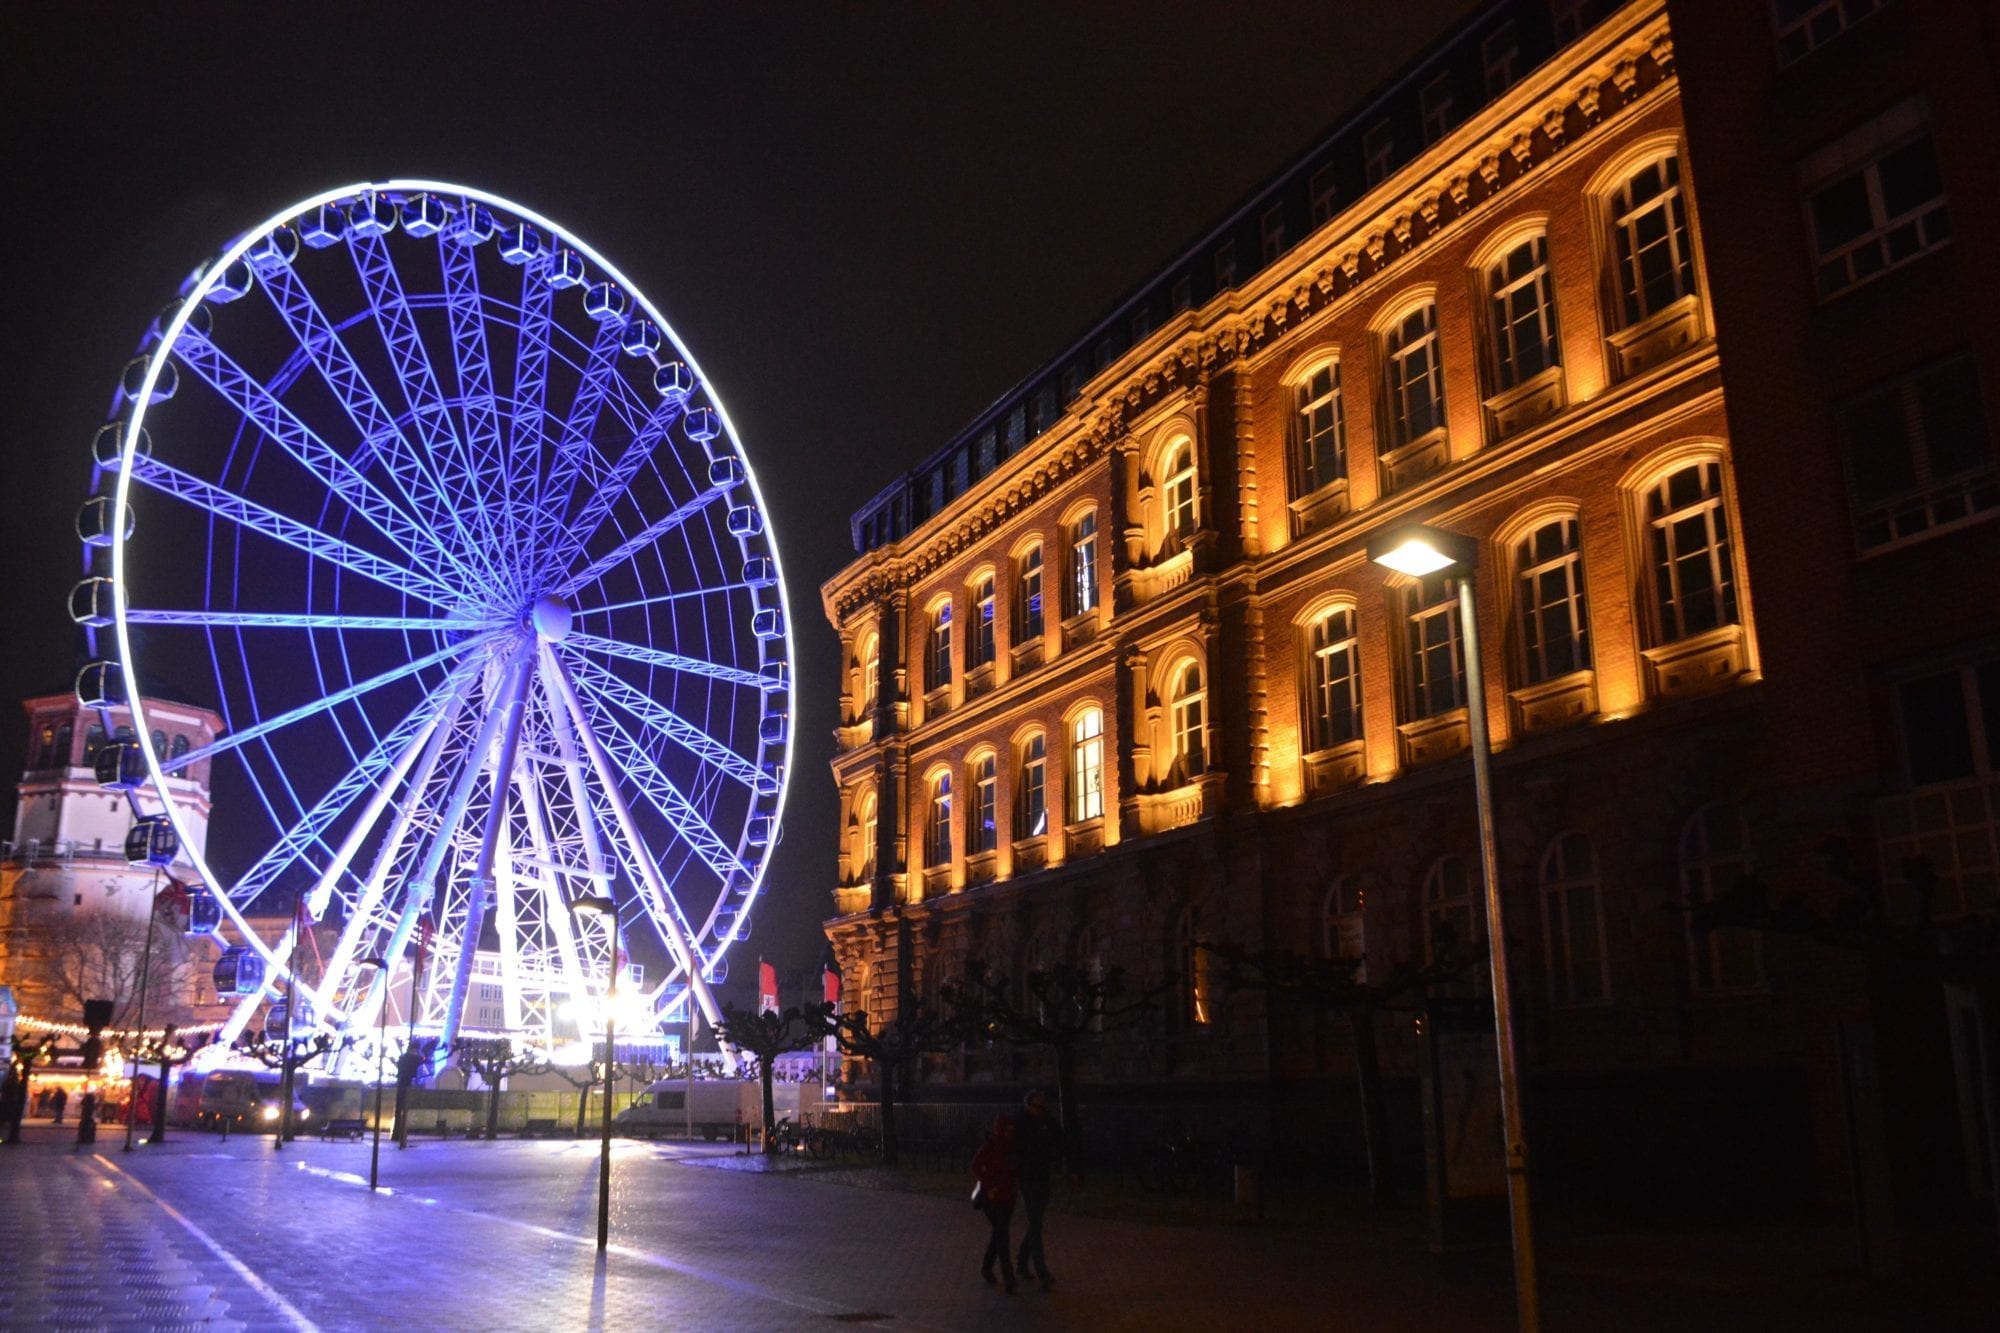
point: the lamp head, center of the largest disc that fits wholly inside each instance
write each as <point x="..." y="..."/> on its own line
<point x="1420" y="550"/>
<point x="600" y="903"/>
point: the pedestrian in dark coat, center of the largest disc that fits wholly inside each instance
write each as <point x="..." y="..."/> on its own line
<point x="1038" y="1149"/>
<point x="13" y="1105"/>
<point x="86" y="1120"/>
<point x="59" y="1102"/>
<point x="994" y="1168"/>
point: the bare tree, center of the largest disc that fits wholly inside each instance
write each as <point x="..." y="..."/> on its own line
<point x="583" y="1078"/>
<point x="765" y="1036"/>
<point x="494" y="1059"/>
<point x="102" y="955"/>
<point x="918" y="1031"/>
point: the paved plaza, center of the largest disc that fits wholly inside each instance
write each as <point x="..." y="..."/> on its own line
<point x="227" y="1234"/>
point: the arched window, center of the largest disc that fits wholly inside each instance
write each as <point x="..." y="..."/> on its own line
<point x="1550" y="610"/>
<point x="1189" y="718"/>
<point x="1415" y="376"/>
<point x="979" y="647"/>
<point x="1573" y="922"/>
<point x="866" y="830"/>
<point x="180" y="746"/>
<point x="1319" y="431"/>
<point x="1081" y="587"/>
<point x="1453" y="920"/>
<point x="1177" y="486"/>
<point x="1687" y="539"/>
<point x="1333" y="680"/>
<point x="1433" y="653"/>
<point x="1086" y="766"/>
<point x="1521" y="308"/>
<point x="1191" y="971"/>
<point x="45" y="749"/>
<point x="870" y="671"/>
<point x="159" y="740"/>
<point x="1649" y="232"/>
<point x="1031" y="800"/>
<point x="1343" y="930"/>
<point x="983" y="833"/>
<point x="937" y="823"/>
<point x="937" y="656"/>
<point x="1028" y="596"/>
<point x="1714" y="858"/>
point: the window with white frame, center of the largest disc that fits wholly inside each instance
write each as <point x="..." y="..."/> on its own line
<point x="1714" y="859"/>
<point x="1325" y="194"/>
<point x="937" y="654"/>
<point x="1192" y="970"/>
<point x="1333" y="673"/>
<point x="1415" y="376"/>
<point x="1343" y="928"/>
<point x="1086" y="766"/>
<point x="1225" y="266"/>
<point x="1319" y="430"/>
<point x="1378" y="150"/>
<point x="1875" y="200"/>
<point x="1189" y="720"/>
<point x="1031" y="800"/>
<point x="1694" y="575"/>
<point x="937" y="823"/>
<point x="1948" y="807"/>
<point x="870" y="828"/>
<point x="982" y="834"/>
<point x="1920" y="455"/>
<point x="1500" y="55"/>
<point x="1454" y="921"/>
<point x="1803" y="26"/>
<point x="1434" y="108"/>
<point x="1550" y="609"/>
<point x="1573" y="922"/>
<point x="871" y="672"/>
<point x="1522" y="308"/>
<point x="1081" y="588"/>
<point x="1177" y="486"/>
<point x="1649" y="231"/>
<point x="1028" y="596"/>
<point x="1433" y="653"/>
<point x="979" y="650"/>
<point x="1950" y="724"/>
<point x="1271" y="233"/>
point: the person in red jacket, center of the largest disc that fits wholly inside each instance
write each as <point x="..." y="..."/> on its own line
<point x="993" y="1166"/>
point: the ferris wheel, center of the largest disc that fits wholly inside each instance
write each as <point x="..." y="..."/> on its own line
<point x="485" y="593"/>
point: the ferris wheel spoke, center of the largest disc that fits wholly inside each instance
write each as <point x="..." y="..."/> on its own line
<point x="712" y="590"/>
<point x="640" y="540"/>
<point x="303" y="834"/>
<point x="459" y="263"/>
<point x="228" y="505"/>
<point x="410" y="469"/>
<point x="574" y="536"/>
<point x="693" y="666"/>
<point x="411" y="362"/>
<point x="327" y="702"/>
<point x="574" y="451"/>
<point x="301" y="620"/>
<point x="256" y="404"/>
<point x="657" y="717"/>
<point x="526" y="428"/>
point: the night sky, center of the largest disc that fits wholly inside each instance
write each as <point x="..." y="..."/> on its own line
<point x="866" y="221"/>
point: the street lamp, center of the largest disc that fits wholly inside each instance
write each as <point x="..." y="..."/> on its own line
<point x="603" y="906"/>
<point x="381" y="966"/>
<point x="1419" y="550"/>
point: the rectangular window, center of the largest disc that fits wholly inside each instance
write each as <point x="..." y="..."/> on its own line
<point x="1950" y="724"/>
<point x="1225" y="266"/>
<point x="1072" y="381"/>
<point x="1086" y="768"/>
<point x="979" y="649"/>
<point x="1434" y="106"/>
<point x="983" y="834"/>
<point x="1378" y="148"/>
<point x="1500" y="54"/>
<point x="1573" y="922"/>
<point x="1324" y="196"/>
<point x="1415" y="377"/>
<point x="1433" y="655"/>
<point x="1649" y="226"/>
<point x="1879" y="214"/>
<point x="1523" y="310"/>
<point x="1271" y="233"/>
<point x="1142" y="324"/>
<point x="1028" y="597"/>
<point x="1083" y="564"/>
<point x="1920" y="455"/>
<point x="1694" y="580"/>
<point x="1031" y="808"/>
<point x="1803" y="26"/>
<point x="1319" y="431"/>
<point x="1335" y="675"/>
<point x="1182" y="297"/>
<point x="1554" y="618"/>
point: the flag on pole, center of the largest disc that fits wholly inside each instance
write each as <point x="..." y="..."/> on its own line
<point x="767" y="988"/>
<point x="829" y="980"/>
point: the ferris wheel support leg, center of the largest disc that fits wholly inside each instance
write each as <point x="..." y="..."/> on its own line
<point x="510" y="711"/>
<point x="558" y="680"/>
<point x="586" y="820"/>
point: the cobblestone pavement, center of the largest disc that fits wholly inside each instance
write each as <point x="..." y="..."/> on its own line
<point x="229" y="1234"/>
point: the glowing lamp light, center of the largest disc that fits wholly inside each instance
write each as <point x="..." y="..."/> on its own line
<point x="270" y="1113"/>
<point x="1419" y="550"/>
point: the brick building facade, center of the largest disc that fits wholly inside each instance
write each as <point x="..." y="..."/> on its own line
<point x="1119" y="676"/>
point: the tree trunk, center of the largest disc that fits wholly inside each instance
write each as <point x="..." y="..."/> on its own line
<point x="1374" y="1111"/>
<point x="582" y="1108"/>
<point x="492" y="1110"/>
<point x="1066" y="1108"/>
<point x="885" y="1072"/>
<point x="406" y="1072"/>
<point x="764" y="1074"/>
<point x="159" y="1134"/>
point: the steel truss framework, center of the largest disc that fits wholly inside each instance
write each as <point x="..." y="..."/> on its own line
<point x="491" y="608"/>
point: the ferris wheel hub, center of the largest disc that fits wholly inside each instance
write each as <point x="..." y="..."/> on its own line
<point x="550" y="616"/>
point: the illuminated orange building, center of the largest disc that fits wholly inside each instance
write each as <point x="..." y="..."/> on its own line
<point x="1119" y="675"/>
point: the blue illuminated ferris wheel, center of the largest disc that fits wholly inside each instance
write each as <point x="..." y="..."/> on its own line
<point x="489" y="602"/>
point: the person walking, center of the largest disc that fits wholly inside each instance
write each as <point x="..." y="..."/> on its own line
<point x="59" y="1102"/>
<point x="13" y="1105"/>
<point x="86" y="1121"/>
<point x="993" y="1167"/>
<point x="1038" y="1149"/>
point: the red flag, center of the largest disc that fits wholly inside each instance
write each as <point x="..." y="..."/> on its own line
<point x="767" y="987"/>
<point x="830" y="985"/>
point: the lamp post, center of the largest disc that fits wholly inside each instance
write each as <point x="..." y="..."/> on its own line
<point x="1418" y="550"/>
<point x="603" y="906"/>
<point x="381" y="966"/>
<point x="139" y="1036"/>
